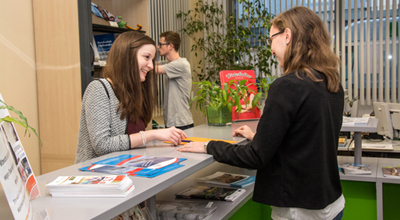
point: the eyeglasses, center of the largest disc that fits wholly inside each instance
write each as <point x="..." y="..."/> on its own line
<point x="160" y="44"/>
<point x="269" y="40"/>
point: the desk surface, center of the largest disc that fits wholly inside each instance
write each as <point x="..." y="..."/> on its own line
<point x="107" y="208"/>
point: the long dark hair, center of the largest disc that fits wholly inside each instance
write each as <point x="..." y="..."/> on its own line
<point x="309" y="47"/>
<point x="136" y="99"/>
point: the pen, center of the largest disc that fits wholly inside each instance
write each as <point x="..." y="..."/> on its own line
<point x="186" y="141"/>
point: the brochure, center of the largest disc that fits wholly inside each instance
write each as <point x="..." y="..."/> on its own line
<point x="135" y="165"/>
<point x="17" y="178"/>
<point x="103" y="44"/>
<point x="91" y="186"/>
<point x="185" y="210"/>
<point x="210" y="192"/>
<point x="391" y="171"/>
<point x="355" y="169"/>
<point x="228" y="179"/>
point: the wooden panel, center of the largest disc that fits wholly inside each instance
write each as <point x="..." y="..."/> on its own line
<point x="51" y="162"/>
<point x="18" y="73"/>
<point x="58" y="79"/>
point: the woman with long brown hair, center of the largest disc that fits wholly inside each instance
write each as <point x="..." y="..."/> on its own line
<point x="295" y="147"/>
<point x="117" y="108"/>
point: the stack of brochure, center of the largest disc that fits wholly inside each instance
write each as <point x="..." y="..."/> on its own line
<point x="351" y="168"/>
<point x="91" y="186"/>
<point x="182" y="210"/>
<point x="211" y="193"/>
<point x="391" y="171"/>
<point x="135" y="165"/>
<point x="228" y="179"/>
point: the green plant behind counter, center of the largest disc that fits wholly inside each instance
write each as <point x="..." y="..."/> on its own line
<point x="211" y="94"/>
<point x="229" y="42"/>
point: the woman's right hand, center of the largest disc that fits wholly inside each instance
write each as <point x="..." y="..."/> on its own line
<point x="171" y="134"/>
<point x="244" y="131"/>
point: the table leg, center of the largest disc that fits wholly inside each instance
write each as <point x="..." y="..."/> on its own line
<point x="151" y="205"/>
<point x="379" y="200"/>
<point x="357" y="148"/>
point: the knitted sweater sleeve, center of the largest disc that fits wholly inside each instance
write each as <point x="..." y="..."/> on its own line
<point x="105" y="131"/>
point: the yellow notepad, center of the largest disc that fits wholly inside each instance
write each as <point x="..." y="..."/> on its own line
<point x="195" y="139"/>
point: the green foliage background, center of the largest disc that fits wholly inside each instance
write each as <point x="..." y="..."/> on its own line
<point x="228" y="42"/>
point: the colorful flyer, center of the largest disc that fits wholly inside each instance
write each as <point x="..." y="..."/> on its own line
<point x="248" y="112"/>
<point x="16" y="175"/>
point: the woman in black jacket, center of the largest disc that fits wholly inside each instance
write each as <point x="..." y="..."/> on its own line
<point x="295" y="147"/>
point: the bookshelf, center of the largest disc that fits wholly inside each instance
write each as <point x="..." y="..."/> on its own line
<point x="110" y="29"/>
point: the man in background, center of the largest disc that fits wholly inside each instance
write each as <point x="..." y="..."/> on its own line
<point x="179" y="82"/>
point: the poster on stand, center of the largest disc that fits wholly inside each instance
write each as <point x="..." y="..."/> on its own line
<point x="247" y="113"/>
<point x="16" y="176"/>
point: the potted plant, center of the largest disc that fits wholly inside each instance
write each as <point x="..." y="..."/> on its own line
<point x="217" y="103"/>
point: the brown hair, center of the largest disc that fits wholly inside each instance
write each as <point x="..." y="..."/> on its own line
<point x="136" y="99"/>
<point x="309" y="47"/>
<point x="173" y="38"/>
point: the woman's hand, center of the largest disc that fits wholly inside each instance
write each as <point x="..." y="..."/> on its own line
<point x="244" y="131"/>
<point x="195" y="147"/>
<point x="171" y="134"/>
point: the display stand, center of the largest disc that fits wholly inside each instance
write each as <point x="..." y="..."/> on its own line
<point x="357" y="129"/>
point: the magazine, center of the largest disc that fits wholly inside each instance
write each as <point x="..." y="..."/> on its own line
<point x="131" y="171"/>
<point x="228" y="179"/>
<point x="135" y="165"/>
<point x="184" y="210"/>
<point x="211" y="193"/>
<point x="139" y="161"/>
<point x="391" y="171"/>
<point x="249" y="75"/>
<point x="357" y="169"/>
<point x="103" y="43"/>
<point x="91" y="186"/>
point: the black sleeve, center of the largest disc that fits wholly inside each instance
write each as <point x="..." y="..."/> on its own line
<point x="279" y="113"/>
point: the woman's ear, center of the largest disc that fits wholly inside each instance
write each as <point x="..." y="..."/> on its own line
<point x="288" y="35"/>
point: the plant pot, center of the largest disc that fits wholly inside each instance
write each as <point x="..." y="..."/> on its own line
<point x="218" y="117"/>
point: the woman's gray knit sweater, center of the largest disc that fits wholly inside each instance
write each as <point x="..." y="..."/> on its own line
<point x="100" y="130"/>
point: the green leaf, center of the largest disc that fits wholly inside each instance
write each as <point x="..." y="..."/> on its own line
<point x="23" y="122"/>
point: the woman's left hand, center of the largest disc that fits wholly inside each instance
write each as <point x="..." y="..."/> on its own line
<point x="195" y="147"/>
